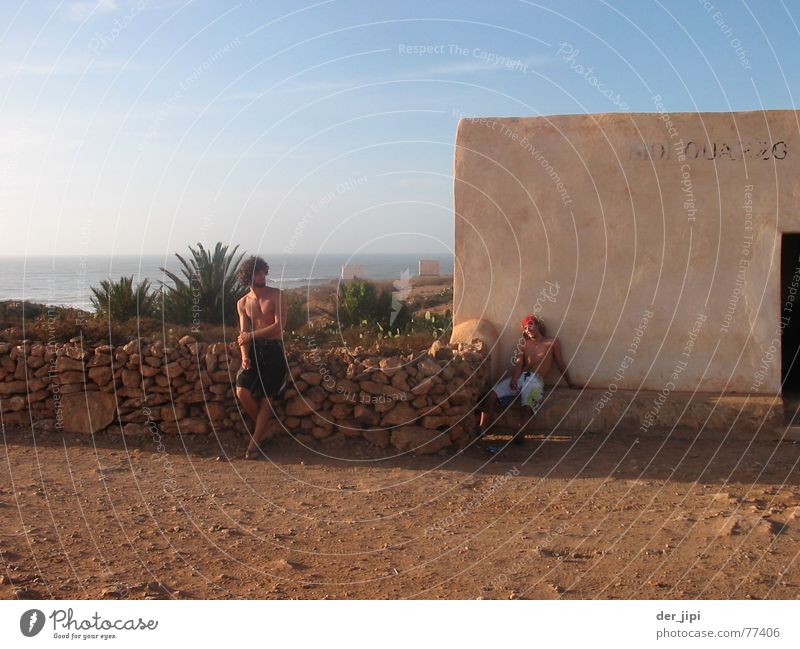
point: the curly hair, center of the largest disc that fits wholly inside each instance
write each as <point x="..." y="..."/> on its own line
<point x="250" y="267"/>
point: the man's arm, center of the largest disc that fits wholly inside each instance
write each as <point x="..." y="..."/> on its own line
<point x="517" y="371"/>
<point x="280" y="320"/>
<point x="244" y="325"/>
<point x="560" y="364"/>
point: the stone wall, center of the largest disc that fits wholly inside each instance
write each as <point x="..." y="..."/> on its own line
<point x="421" y="402"/>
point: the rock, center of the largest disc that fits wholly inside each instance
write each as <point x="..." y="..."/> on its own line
<point x="372" y="387"/>
<point x="434" y="422"/>
<point x="440" y="351"/>
<point x="12" y="404"/>
<point x="100" y="375"/>
<point x="99" y="360"/>
<point x="422" y="388"/>
<point x="13" y="387"/>
<point x="131" y="379"/>
<point x="71" y="377"/>
<point x="174" y="369"/>
<point x="402" y="414"/>
<point x="311" y="378"/>
<point x="135" y="430"/>
<point x="378" y="437"/>
<point x="365" y="416"/>
<point x="341" y="411"/>
<point x="390" y="366"/>
<point x="187" y="340"/>
<point x="319" y="432"/>
<point x="419" y="440"/>
<point x="65" y="364"/>
<point x="39" y="395"/>
<point x="216" y="411"/>
<point x="87" y="412"/>
<point x="400" y="381"/>
<point x="428" y="367"/>
<point x="75" y="353"/>
<point x="131" y="348"/>
<point x="152" y="361"/>
<point x="299" y="407"/>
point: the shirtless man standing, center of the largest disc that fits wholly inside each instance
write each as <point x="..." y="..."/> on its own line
<point x="535" y="360"/>
<point x="262" y="319"/>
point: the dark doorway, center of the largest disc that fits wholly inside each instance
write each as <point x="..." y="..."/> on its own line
<point x="790" y="314"/>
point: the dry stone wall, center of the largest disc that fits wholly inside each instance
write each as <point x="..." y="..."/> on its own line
<point x="420" y="402"/>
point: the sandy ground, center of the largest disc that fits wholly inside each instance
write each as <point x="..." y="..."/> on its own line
<point x="568" y="517"/>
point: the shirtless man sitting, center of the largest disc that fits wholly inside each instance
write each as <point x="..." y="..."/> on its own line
<point x="262" y="318"/>
<point x="535" y="359"/>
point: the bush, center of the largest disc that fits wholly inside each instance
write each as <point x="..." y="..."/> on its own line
<point x="360" y="303"/>
<point x="207" y="288"/>
<point x="297" y="311"/>
<point x="120" y="300"/>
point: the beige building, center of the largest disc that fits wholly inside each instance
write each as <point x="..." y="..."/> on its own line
<point x="660" y="249"/>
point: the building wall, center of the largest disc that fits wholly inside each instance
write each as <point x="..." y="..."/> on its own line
<point x="649" y="243"/>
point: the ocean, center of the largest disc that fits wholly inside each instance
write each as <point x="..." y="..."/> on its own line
<point x="66" y="280"/>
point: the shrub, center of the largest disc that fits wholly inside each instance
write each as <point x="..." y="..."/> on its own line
<point x="297" y="311"/>
<point x="360" y="303"/>
<point x="120" y="300"/>
<point x="206" y="289"/>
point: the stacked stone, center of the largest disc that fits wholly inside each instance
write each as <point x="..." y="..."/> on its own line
<point x="25" y="377"/>
<point x="414" y="402"/>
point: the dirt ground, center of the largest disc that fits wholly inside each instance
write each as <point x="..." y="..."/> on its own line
<point x="565" y="517"/>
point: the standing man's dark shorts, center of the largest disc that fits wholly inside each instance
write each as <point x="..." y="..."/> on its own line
<point x="268" y="371"/>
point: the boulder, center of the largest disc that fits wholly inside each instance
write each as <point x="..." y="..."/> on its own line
<point x="66" y="364"/>
<point x="378" y="437"/>
<point x="135" y="430"/>
<point x="365" y="416"/>
<point x="87" y="412"/>
<point x="175" y="369"/>
<point x="311" y="378"/>
<point x="400" y="381"/>
<point x="440" y="351"/>
<point x="299" y="407"/>
<point x="12" y="404"/>
<point x="216" y="411"/>
<point x="428" y="367"/>
<point x="402" y="414"/>
<point x="13" y="387"/>
<point x="70" y="377"/>
<point x="390" y="366"/>
<point x="131" y="378"/>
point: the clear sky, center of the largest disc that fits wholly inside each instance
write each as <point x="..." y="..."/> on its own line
<point x="140" y="126"/>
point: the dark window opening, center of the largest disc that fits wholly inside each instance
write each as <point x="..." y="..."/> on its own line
<point x="790" y="314"/>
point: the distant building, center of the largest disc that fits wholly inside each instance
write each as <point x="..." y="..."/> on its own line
<point x="428" y="267"/>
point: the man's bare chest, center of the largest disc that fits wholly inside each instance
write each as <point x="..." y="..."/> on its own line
<point x="259" y="309"/>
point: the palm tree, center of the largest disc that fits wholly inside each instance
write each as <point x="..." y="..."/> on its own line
<point x="120" y="300"/>
<point x="207" y="288"/>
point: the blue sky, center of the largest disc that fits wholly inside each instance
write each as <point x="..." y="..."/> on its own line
<point x="141" y="126"/>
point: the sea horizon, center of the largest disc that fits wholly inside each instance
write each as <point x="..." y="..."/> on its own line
<point x="66" y="280"/>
